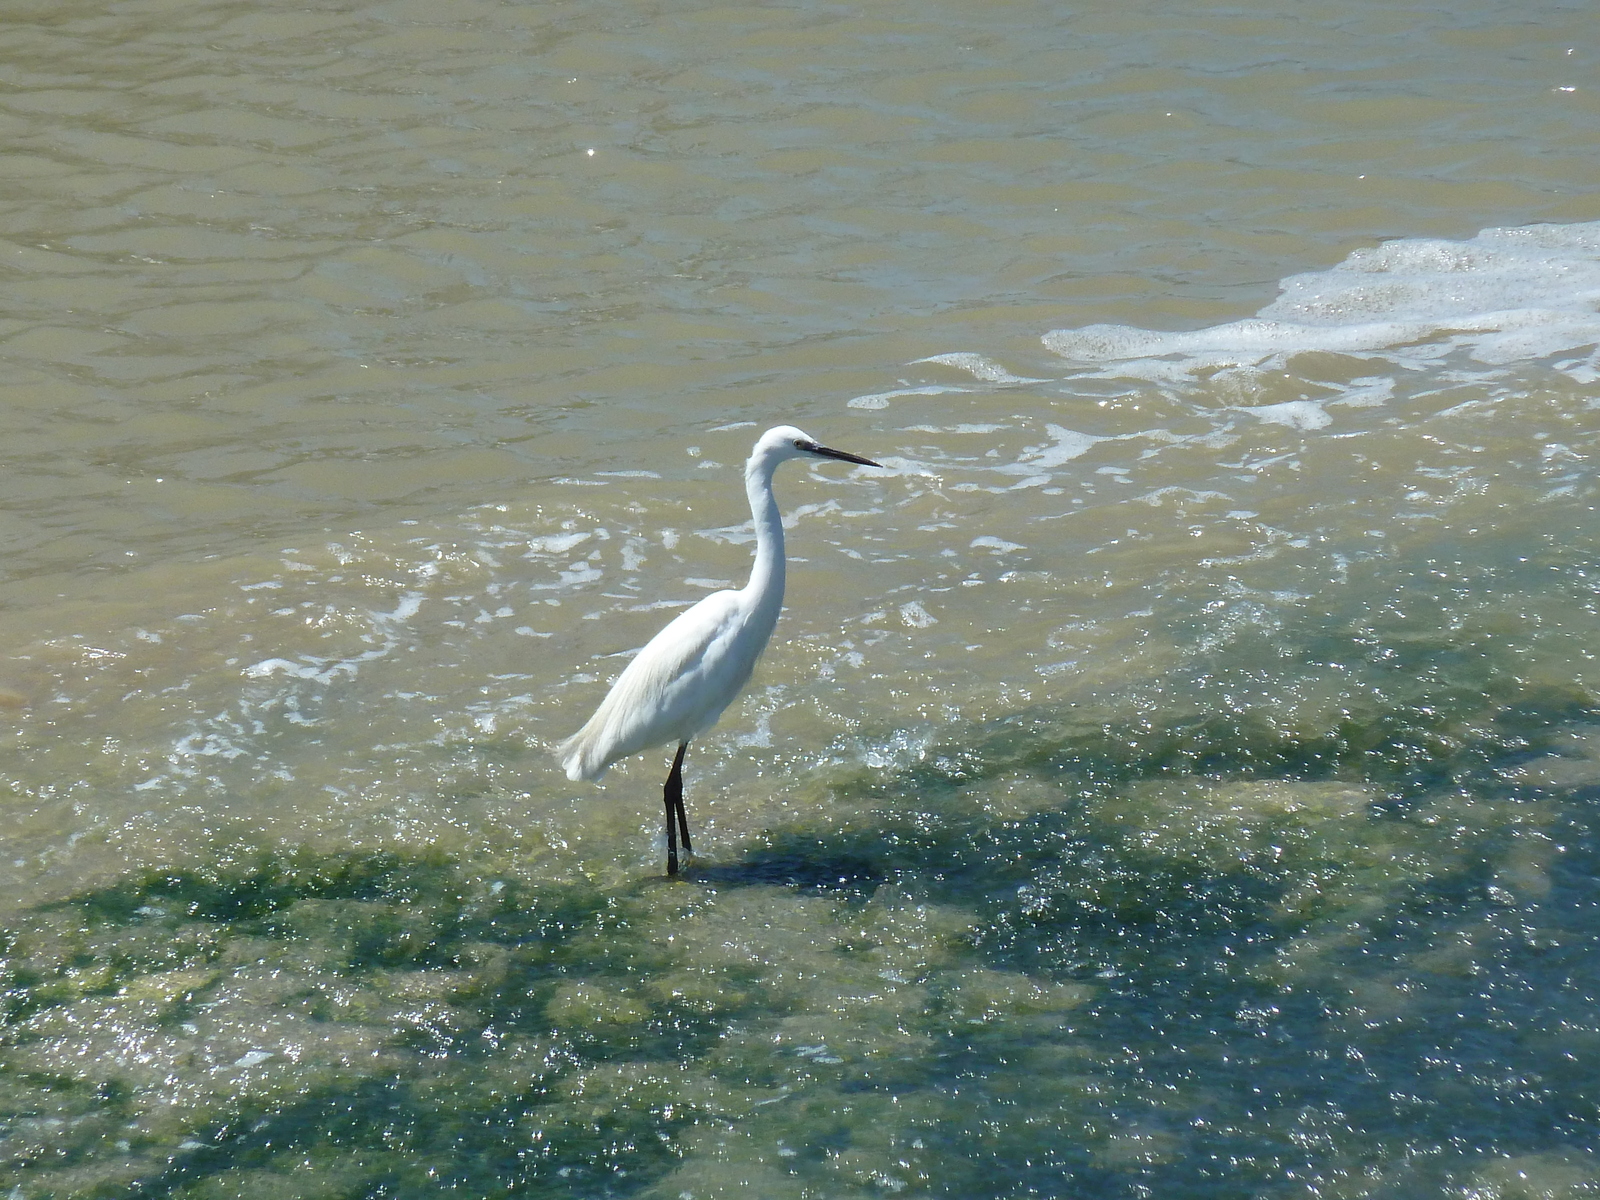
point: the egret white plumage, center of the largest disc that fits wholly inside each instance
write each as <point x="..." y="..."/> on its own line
<point x="678" y="685"/>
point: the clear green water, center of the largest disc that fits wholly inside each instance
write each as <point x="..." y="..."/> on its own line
<point x="1311" y="916"/>
<point x="1175" y="773"/>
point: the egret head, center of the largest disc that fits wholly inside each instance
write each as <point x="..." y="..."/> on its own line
<point x="785" y="442"/>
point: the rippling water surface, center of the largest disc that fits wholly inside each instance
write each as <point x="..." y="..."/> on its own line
<point x="1174" y="774"/>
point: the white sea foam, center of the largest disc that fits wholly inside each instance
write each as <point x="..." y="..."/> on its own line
<point x="882" y="399"/>
<point x="1502" y="297"/>
<point x="979" y="367"/>
<point x="1064" y="446"/>
<point x="408" y="606"/>
<point x="998" y="545"/>
<point x="556" y="543"/>
<point x="1297" y="414"/>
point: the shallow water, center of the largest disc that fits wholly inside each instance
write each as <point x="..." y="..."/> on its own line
<point x="1174" y="774"/>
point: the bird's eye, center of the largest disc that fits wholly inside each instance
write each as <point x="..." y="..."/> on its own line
<point x="799" y="444"/>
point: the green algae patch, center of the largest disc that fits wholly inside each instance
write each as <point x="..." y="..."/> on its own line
<point x="1062" y="949"/>
<point x="334" y="1027"/>
<point x="591" y="1009"/>
<point x="979" y="997"/>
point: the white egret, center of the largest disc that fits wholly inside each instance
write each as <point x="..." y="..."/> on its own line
<point x="678" y="685"/>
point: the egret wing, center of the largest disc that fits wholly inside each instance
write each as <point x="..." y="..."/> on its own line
<point x="674" y="687"/>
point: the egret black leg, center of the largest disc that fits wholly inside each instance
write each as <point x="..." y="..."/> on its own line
<point x="683" y="815"/>
<point x="672" y="797"/>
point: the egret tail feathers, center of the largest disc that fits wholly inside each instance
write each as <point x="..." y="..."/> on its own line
<point x="577" y="756"/>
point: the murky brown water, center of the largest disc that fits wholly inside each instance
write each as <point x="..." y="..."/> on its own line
<point x="379" y="377"/>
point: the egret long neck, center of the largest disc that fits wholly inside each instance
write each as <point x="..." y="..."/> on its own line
<point x="766" y="577"/>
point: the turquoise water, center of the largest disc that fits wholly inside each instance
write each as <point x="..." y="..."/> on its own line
<point x="1174" y="774"/>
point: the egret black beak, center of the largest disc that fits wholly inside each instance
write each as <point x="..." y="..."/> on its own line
<point x="841" y="455"/>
